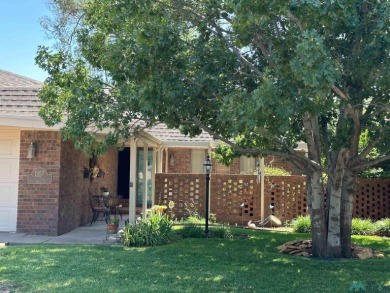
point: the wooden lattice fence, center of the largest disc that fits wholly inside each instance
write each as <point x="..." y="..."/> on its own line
<point x="235" y="199"/>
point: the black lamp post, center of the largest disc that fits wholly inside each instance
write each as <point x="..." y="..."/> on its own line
<point x="207" y="170"/>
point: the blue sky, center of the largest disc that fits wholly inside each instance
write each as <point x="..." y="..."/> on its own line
<point x="20" y="35"/>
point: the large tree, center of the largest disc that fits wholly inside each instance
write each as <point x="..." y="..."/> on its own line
<point x="258" y="75"/>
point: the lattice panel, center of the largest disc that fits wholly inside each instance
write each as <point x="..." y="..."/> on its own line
<point x="185" y="190"/>
<point x="372" y="199"/>
<point x="235" y="198"/>
<point x="287" y="196"/>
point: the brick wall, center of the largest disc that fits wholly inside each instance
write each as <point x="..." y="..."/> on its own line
<point x="281" y="163"/>
<point x="372" y="199"/>
<point x="235" y="199"/>
<point x="38" y="203"/>
<point x="182" y="160"/>
<point x="185" y="190"/>
<point x="182" y="163"/>
<point x="235" y="166"/>
<point x="74" y="206"/>
<point x="63" y="205"/>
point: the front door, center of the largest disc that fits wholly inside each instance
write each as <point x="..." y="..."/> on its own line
<point x="9" y="174"/>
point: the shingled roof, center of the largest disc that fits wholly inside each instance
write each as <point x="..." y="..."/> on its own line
<point x="19" y="98"/>
<point x="163" y="133"/>
<point x="18" y="95"/>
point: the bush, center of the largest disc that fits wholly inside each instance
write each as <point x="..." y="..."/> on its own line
<point x="363" y="227"/>
<point x="192" y="231"/>
<point x="301" y="224"/>
<point x="383" y="227"/>
<point x="155" y="230"/>
<point x="221" y="231"/>
<point x="273" y="171"/>
<point x="195" y="220"/>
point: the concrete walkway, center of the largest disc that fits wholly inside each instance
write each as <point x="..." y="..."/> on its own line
<point x="94" y="234"/>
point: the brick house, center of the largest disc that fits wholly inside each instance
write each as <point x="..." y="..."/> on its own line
<point x="46" y="192"/>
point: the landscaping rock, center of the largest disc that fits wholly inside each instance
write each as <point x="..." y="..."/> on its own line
<point x="282" y="247"/>
<point x="303" y="248"/>
<point x="362" y="252"/>
<point x="274" y="221"/>
<point x="378" y="254"/>
<point x="296" y="247"/>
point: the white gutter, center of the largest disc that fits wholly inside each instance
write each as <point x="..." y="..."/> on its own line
<point x="25" y="122"/>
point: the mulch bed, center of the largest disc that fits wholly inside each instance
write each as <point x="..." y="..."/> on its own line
<point x="303" y="248"/>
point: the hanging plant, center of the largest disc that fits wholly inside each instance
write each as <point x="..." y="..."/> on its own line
<point x="94" y="170"/>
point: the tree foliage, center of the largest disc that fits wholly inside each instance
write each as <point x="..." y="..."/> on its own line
<point x="257" y="75"/>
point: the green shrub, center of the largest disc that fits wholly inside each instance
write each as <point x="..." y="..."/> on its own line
<point x="363" y="227"/>
<point x="273" y="171"/>
<point x="196" y="220"/>
<point x="301" y="224"/>
<point x="155" y="230"/>
<point x="383" y="227"/>
<point x="192" y="231"/>
<point x="221" y="231"/>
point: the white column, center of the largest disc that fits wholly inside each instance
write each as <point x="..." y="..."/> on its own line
<point x="133" y="181"/>
<point x="145" y="181"/>
<point x="153" y="175"/>
<point x="262" y="171"/>
<point x="160" y="160"/>
<point x="209" y="150"/>
<point x="166" y="160"/>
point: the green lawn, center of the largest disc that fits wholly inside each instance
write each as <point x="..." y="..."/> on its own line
<point x="191" y="265"/>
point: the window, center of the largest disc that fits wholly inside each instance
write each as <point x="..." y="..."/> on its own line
<point x="221" y="168"/>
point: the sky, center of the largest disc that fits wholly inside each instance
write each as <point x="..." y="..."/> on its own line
<point x="20" y="35"/>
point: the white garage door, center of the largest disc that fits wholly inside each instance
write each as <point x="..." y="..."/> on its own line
<point x="9" y="174"/>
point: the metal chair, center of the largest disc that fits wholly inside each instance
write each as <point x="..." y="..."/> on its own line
<point x="99" y="205"/>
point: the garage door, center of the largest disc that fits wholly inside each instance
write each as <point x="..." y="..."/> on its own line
<point x="9" y="174"/>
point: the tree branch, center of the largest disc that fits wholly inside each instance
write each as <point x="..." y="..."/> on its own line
<point x="325" y="136"/>
<point x="372" y="163"/>
<point x="340" y="93"/>
<point x="368" y="149"/>
<point x="295" y="20"/>
<point x="291" y="156"/>
<point x="217" y="31"/>
<point x="360" y="158"/>
<point x="258" y="42"/>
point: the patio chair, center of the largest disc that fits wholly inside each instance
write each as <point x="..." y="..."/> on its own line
<point x="99" y="205"/>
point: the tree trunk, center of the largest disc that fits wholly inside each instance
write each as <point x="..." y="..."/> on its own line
<point x="347" y="197"/>
<point x="334" y="209"/>
<point x="315" y="186"/>
<point x="318" y="229"/>
<point x="309" y="192"/>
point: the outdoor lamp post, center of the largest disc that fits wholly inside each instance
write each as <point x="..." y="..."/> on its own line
<point x="207" y="170"/>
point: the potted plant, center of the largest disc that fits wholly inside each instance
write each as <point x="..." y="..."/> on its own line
<point x="104" y="191"/>
<point x="112" y="226"/>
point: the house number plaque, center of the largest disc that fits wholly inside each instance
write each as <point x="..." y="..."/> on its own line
<point x="39" y="176"/>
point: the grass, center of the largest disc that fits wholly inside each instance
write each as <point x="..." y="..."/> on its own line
<point x="189" y="265"/>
